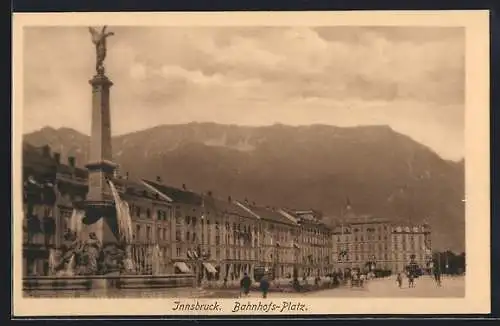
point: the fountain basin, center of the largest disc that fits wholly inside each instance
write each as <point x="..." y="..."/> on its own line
<point x="102" y="285"/>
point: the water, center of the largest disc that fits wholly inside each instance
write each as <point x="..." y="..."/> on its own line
<point x="52" y="261"/>
<point x="70" y="267"/>
<point x="76" y="220"/>
<point x="123" y="215"/>
<point x="157" y="260"/>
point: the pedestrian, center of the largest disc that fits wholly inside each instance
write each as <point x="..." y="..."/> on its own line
<point x="399" y="280"/>
<point x="411" y="280"/>
<point x="264" y="286"/>
<point x="437" y="276"/>
<point x="362" y="279"/>
<point x="245" y="284"/>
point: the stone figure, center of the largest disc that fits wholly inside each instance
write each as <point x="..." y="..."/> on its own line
<point x="89" y="256"/>
<point x="112" y="259"/>
<point x="99" y="40"/>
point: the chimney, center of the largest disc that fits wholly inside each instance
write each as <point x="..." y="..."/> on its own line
<point x="184" y="186"/>
<point x="229" y="199"/>
<point x="71" y="161"/>
<point x="158" y="179"/>
<point x="57" y="158"/>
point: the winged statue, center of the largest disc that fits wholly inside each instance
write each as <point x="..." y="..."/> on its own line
<point x="99" y="40"/>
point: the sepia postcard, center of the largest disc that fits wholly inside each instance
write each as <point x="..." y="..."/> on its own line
<point x="251" y="163"/>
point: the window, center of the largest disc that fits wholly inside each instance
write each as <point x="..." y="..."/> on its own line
<point x="178" y="236"/>
<point x="148" y="213"/>
<point x="178" y="252"/>
<point x="159" y="234"/>
<point x="148" y="232"/>
<point x="138" y="211"/>
<point x="164" y="234"/>
<point x="188" y="235"/>
<point x="138" y="232"/>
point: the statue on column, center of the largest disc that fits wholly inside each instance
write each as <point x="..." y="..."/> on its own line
<point x="99" y="40"/>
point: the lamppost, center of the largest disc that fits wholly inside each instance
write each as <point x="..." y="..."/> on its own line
<point x="276" y="261"/>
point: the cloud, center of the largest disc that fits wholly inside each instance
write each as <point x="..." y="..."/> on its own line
<point x="404" y="77"/>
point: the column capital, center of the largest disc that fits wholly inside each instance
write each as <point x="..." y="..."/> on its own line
<point x="100" y="80"/>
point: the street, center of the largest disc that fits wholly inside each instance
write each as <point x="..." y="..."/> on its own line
<point x="386" y="287"/>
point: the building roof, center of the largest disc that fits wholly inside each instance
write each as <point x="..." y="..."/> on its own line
<point x="269" y="214"/>
<point x="362" y="219"/>
<point x="177" y="195"/>
<point x="306" y="217"/>
<point x="136" y="188"/>
<point x="40" y="161"/>
<point x="227" y="206"/>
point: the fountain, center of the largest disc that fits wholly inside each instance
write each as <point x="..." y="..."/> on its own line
<point x="98" y="254"/>
<point x="157" y="259"/>
<point x="70" y="267"/>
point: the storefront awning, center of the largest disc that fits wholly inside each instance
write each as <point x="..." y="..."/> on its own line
<point x="210" y="268"/>
<point x="182" y="267"/>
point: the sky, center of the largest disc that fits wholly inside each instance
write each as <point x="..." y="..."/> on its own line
<point x="410" y="78"/>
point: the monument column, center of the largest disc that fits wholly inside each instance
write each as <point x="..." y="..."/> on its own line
<point x="100" y="213"/>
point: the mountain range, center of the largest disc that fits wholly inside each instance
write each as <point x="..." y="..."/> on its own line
<point x="377" y="170"/>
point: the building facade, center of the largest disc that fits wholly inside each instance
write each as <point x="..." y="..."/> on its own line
<point x="377" y="243"/>
<point x="411" y="243"/>
<point x="314" y="241"/>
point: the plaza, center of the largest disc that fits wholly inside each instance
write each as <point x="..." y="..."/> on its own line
<point x="425" y="287"/>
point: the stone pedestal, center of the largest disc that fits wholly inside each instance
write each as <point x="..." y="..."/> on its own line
<point x="100" y="214"/>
